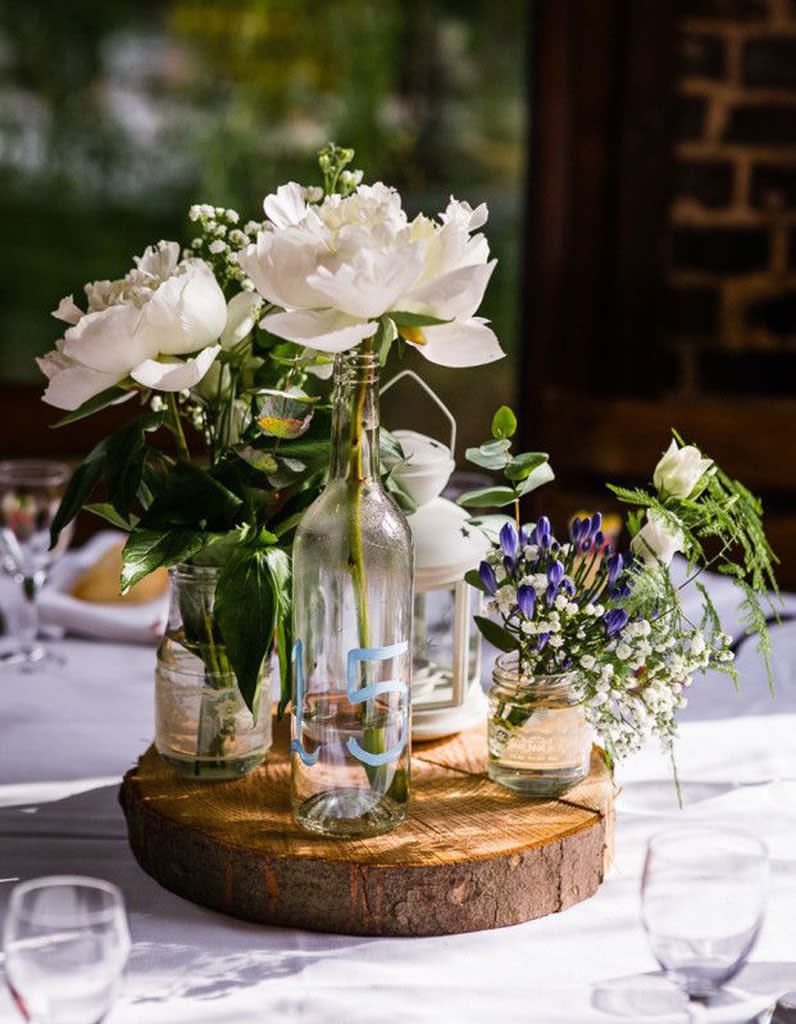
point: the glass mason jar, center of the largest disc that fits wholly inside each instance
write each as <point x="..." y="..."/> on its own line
<point x="202" y="725"/>
<point x="538" y="735"/>
<point x="352" y="617"/>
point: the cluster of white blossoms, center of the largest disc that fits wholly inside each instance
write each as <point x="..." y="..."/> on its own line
<point x="642" y="680"/>
<point x="571" y="608"/>
<point x="220" y="241"/>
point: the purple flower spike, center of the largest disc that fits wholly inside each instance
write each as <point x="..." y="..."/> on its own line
<point x="576" y="530"/>
<point x="555" y="573"/>
<point x="599" y="539"/>
<point x="614" y="566"/>
<point x="614" y="620"/>
<point x="550" y="595"/>
<point x="569" y="588"/>
<point x="526" y="600"/>
<point x="543" y="527"/>
<point x="508" y="541"/>
<point x="541" y="643"/>
<point x="596" y="522"/>
<point x="487" y="575"/>
<point x="510" y="565"/>
<point x="585" y="528"/>
<point x="524" y="537"/>
<point x="534" y="538"/>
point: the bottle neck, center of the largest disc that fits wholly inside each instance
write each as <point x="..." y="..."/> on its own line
<point x="355" y="423"/>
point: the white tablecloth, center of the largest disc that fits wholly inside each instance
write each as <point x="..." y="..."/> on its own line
<point x="66" y="738"/>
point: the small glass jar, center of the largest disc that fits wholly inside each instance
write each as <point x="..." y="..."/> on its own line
<point x="202" y="725"/>
<point x="539" y="738"/>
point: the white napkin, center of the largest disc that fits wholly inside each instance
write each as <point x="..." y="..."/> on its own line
<point x="126" y="623"/>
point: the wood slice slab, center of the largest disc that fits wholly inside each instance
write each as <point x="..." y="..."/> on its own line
<point x="471" y="855"/>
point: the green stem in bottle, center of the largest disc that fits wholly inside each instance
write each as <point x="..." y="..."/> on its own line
<point x="356" y="478"/>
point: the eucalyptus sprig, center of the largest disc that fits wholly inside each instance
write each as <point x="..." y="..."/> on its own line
<point x="523" y="472"/>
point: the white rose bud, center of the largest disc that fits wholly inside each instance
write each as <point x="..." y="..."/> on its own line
<point x="657" y="540"/>
<point x="679" y="471"/>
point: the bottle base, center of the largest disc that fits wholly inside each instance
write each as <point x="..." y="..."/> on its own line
<point x="542" y="785"/>
<point x="350" y="813"/>
<point x="214" y="769"/>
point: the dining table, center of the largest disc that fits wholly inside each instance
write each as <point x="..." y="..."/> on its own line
<point x="68" y="734"/>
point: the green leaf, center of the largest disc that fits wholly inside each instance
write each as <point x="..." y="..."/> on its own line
<point x="382" y="340"/>
<point x="147" y="550"/>
<point x="504" y="423"/>
<point x="124" y="460"/>
<point x="390" y="450"/>
<point x="472" y="577"/>
<point x="107" y="512"/>
<point x="81" y="484"/>
<point x="191" y="497"/>
<point x="541" y="475"/>
<point x="488" y="458"/>
<point x="521" y="466"/>
<point x="105" y="398"/>
<point x="119" y="458"/>
<point x="487" y="497"/>
<point x="496" y="635"/>
<point x="402" y="319"/>
<point x="253" y="588"/>
<point x="285" y="414"/>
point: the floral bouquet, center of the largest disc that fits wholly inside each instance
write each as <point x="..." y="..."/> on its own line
<point x="614" y="619"/>
<point x="233" y="337"/>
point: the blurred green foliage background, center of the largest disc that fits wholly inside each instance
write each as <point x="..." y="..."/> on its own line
<point x="115" y="115"/>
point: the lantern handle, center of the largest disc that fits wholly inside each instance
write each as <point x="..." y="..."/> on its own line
<point x="432" y="394"/>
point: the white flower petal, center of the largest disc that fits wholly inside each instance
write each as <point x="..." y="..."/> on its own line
<point x="159" y="260"/>
<point x="175" y="376"/>
<point x="242" y="311"/>
<point x="279" y="264"/>
<point x="109" y="340"/>
<point x="70" y="384"/>
<point x="325" y="330"/>
<point x="286" y="206"/>
<point x="455" y="294"/>
<point x="461" y="343"/>
<point x="372" y="282"/>
<point x="68" y="311"/>
<point x="187" y="312"/>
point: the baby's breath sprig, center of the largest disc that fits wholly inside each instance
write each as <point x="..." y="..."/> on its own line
<point x="220" y="240"/>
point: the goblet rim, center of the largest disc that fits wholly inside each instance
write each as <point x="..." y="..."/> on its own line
<point x="671" y="835"/>
<point x="104" y="915"/>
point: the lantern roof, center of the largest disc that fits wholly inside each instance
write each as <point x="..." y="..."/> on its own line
<point x="446" y="544"/>
<point x="427" y="467"/>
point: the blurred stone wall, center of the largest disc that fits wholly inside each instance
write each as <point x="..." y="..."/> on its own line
<point x="732" y="276"/>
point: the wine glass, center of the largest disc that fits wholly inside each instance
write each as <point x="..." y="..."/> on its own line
<point x="703" y="897"/>
<point x="66" y="943"/>
<point x="30" y="492"/>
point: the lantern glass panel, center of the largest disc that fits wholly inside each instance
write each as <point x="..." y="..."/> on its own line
<point x="446" y="646"/>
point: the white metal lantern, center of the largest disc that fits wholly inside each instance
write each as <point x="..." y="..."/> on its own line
<point x="446" y="671"/>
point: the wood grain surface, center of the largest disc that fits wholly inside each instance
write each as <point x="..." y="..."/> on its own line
<point x="471" y="855"/>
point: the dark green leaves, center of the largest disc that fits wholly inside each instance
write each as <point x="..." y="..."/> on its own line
<point x="496" y="635"/>
<point x="147" y="550"/>
<point x="252" y="594"/>
<point x="504" y="423"/>
<point x="119" y="460"/>
<point x="192" y="497"/>
<point x="92" y="405"/>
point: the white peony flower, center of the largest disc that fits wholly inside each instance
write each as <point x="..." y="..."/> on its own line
<point x="657" y="540"/>
<point x="337" y="267"/>
<point x="163" y="307"/>
<point x="679" y="471"/>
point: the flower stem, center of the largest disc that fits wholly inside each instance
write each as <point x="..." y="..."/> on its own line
<point x="355" y="482"/>
<point x="176" y="426"/>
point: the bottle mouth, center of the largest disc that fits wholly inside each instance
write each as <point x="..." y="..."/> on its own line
<point x="356" y="365"/>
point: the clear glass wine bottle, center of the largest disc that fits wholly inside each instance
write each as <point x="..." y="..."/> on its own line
<point x="352" y="617"/>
